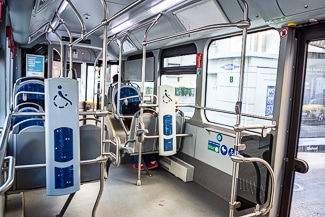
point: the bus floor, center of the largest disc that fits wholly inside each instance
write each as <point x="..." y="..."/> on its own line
<point x="160" y="195"/>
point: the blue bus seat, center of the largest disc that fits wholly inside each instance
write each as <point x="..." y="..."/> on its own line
<point x="16" y="120"/>
<point x="30" y="86"/>
<point x="23" y="80"/>
<point x="27" y="123"/>
<point x="128" y="106"/>
<point x="19" y="126"/>
<point x="30" y="105"/>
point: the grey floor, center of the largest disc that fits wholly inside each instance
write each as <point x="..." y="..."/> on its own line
<point x="160" y="195"/>
<point x="309" y="189"/>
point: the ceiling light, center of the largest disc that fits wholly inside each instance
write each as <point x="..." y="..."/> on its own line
<point x="162" y="6"/>
<point x="127" y="24"/>
<point x="62" y="7"/>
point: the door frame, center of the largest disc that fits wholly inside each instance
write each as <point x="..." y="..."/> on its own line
<point x="303" y="36"/>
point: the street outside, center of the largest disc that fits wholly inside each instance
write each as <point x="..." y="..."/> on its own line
<point x="309" y="189"/>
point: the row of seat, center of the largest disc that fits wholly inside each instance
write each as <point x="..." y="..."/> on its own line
<point x="129" y="112"/>
<point x="27" y="138"/>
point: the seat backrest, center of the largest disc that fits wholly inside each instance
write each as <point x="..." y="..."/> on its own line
<point x="89" y="149"/>
<point x="36" y="86"/>
<point x="21" y="125"/>
<point x="150" y="121"/>
<point x="18" y="119"/>
<point x="22" y="80"/>
<point x="28" y="147"/>
<point x="128" y="106"/>
<point x="180" y="128"/>
<point x="30" y="105"/>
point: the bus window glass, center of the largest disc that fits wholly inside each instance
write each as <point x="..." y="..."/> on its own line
<point x="90" y="81"/>
<point x="179" y="70"/>
<point x="259" y="79"/>
<point x="180" y="61"/>
<point x="185" y="88"/>
<point x="147" y="91"/>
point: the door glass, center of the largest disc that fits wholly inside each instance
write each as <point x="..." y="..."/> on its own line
<point x="309" y="189"/>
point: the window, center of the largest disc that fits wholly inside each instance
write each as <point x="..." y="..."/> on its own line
<point x="90" y="83"/>
<point x="260" y="72"/>
<point x="180" y="61"/>
<point x="185" y="87"/>
<point x="147" y="90"/>
<point x="179" y="70"/>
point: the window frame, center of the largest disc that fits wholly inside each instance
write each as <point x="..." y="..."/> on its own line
<point x="249" y="115"/>
<point x="183" y="50"/>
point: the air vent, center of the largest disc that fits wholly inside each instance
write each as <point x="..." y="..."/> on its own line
<point x="38" y="33"/>
<point x="201" y="14"/>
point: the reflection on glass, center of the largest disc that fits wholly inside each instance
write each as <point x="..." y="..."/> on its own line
<point x="185" y="87"/>
<point x="309" y="188"/>
<point x="223" y="73"/>
<point x="177" y="61"/>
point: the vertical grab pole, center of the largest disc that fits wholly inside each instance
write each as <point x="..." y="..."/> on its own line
<point x="50" y="57"/>
<point x="233" y="203"/>
<point x="95" y="64"/>
<point x="82" y="23"/>
<point x="144" y="56"/>
<point x="119" y="79"/>
<point x="61" y="49"/>
<point x="102" y="124"/>
<point x="70" y="40"/>
<point x="120" y="74"/>
<point x="117" y="112"/>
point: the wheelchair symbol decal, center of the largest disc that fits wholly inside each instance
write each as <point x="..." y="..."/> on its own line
<point x="61" y="101"/>
<point x="231" y="152"/>
<point x="166" y="98"/>
<point x="224" y="150"/>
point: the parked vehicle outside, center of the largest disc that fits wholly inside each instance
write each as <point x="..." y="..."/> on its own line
<point x="314" y="110"/>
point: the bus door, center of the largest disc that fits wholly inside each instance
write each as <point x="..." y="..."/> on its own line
<point x="304" y="177"/>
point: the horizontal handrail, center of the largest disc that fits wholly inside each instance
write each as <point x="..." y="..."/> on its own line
<point x="177" y="135"/>
<point x="220" y="131"/>
<point x="239" y="24"/>
<point x="147" y="105"/>
<point x="107" y="21"/>
<point x="225" y="111"/>
<point x="97" y="113"/>
<point x="34" y="166"/>
<point x="25" y="92"/>
<point x="241" y="127"/>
